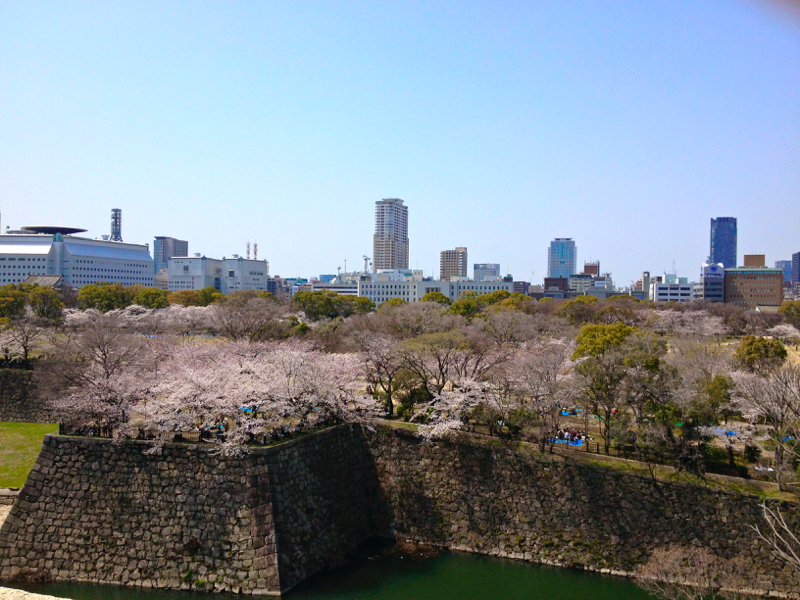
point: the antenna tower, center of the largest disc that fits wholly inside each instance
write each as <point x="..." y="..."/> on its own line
<point x="366" y="264"/>
<point x="255" y="250"/>
<point x="247" y="254"/>
<point x="116" y="225"/>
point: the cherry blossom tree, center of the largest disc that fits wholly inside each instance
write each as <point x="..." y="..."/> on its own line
<point x="775" y="399"/>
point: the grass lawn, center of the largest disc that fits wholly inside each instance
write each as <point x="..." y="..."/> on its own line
<point x="19" y="446"/>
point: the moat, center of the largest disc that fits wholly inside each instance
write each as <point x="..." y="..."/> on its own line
<point x="451" y="576"/>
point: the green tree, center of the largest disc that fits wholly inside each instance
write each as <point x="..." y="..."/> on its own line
<point x="316" y="305"/>
<point x="106" y="296"/>
<point x="152" y="297"/>
<point x="466" y="306"/>
<point x="345" y="305"/>
<point x="791" y="312"/>
<point x="12" y="302"/>
<point x="391" y="303"/>
<point x="596" y="339"/>
<point x="184" y="298"/>
<point x="493" y="297"/>
<point x="209" y="295"/>
<point x="45" y="302"/>
<point x="267" y="295"/>
<point x="579" y="310"/>
<point x="436" y="297"/>
<point x="759" y="354"/>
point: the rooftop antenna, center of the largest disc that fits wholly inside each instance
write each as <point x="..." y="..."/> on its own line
<point x="116" y="225"/>
<point x="366" y="264"/>
<point x="338" y="271"/>
<point x="247" y="254"/>
<point x="255" y="250"/>
<point x="345" y="266"/>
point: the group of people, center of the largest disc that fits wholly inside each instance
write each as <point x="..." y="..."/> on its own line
<point x="570" y="436"/>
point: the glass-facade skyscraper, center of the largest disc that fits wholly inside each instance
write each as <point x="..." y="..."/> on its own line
<point x="723" y="242"/>
<point x="561" y="258"/>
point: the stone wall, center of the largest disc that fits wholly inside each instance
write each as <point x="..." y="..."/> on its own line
<point x="493" y="499"/>
<point x="93" y="510"/>
<point x="109" y="512"/>
<point x="20" y="401"/>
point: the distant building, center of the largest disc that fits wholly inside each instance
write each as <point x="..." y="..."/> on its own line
<point x="751" y="287"/>
<point x="580" y="282"/>
<point x="390" y="242"/>
<point x="755" y="260"/>
<point x="521" y="287"/>
<point x="796" y="267"/>
<point x="591" y="268"/>
<point x="556" y="283"/>
<point x="561" y="257"/>
<point x="786" y="267"/>
<point x="711" y="286"/>
<point x="485" y="271"/>
<point x="327" y="278"/>
<point x="55" y="282"/>
<point x="226" y="275"/>
<point x="58" y="251"/>
<point x="723" y="242"/>
<point x="671" y="292"/>
<point x="453" y="263"/>
<point x="413" y="291"/>
<point x="165" y="248"/>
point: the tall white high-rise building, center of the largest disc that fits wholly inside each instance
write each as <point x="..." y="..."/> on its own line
<point x="390" y="242"/>
<point x="561" y="258"/>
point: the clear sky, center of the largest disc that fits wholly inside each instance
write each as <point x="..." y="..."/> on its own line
<point x="624" y="125"/>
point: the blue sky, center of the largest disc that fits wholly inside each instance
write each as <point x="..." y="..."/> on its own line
<point x="625" y="125"/>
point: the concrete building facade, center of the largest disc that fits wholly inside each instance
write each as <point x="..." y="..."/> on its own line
<point x="390" y="241"/>
<point x="751" y="287"/>
<point x="561" y="258"/>
<point x="413" y="291"/>
<point x="81" y="261"/>
<point x="453" y="263"/>
<point x="226" y="275"/>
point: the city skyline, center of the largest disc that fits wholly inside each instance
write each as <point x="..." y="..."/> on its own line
<point x="502" y="126"/>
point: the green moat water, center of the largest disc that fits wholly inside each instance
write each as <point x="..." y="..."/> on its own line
<point x="451" y="576"/>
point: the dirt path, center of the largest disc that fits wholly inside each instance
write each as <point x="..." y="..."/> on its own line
<point x="9" y="594"/>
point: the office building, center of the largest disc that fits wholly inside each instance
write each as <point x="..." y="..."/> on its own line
<point x="453" y="263"/>
<point x="485" y="271"/>
<point x="580" y="282"/>
<point x="751" y="287"/>
<point x="226" y="275"/>
<point x="723" y="242"/>
<point x="786" y="267"/>
<point x="796" y="268"/>
<point x="561" y="257"/>
<point x="556" y="283"/>
<point x="413" y="291"/>
<point x="672" y="292"/>
<point x="165" y="248"/>
<point x="390" y="242"/>
<point x="755" y="260"/>
<point x="59" y="251"/>
<point x="711" y="286"/>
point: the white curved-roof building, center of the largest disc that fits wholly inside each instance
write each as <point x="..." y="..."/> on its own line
<point x="80" y="260"/>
